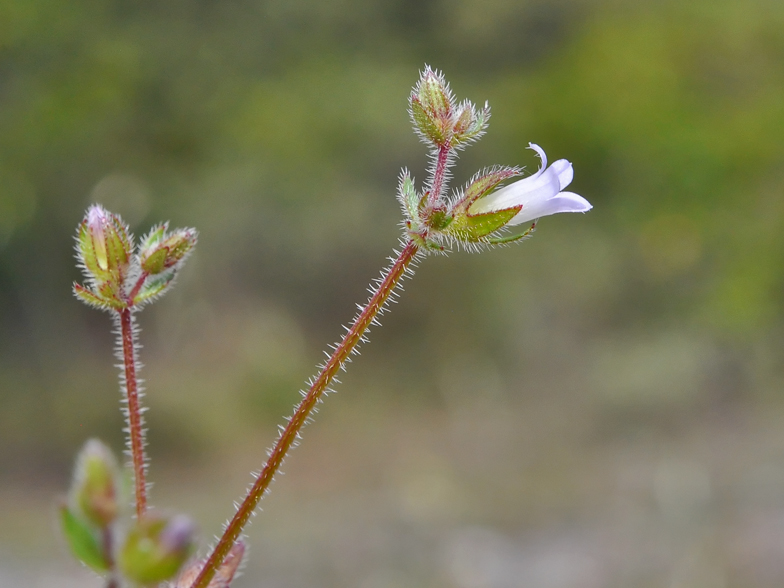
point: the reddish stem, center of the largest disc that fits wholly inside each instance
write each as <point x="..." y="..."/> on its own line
<point x="303" y="410"/>
<point x="136" y="288"/>
<point x="439" y="174"/>
<point x="134" y="415"/>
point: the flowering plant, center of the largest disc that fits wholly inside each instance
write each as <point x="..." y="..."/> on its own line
<point x="156" y="549"/>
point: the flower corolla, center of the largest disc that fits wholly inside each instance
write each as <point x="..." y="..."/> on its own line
<point x="539" y="195"/>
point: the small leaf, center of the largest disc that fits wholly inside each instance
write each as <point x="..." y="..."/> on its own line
<point x="83" y="541"/>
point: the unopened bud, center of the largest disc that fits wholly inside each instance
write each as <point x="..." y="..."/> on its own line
<point x="432" y="108"/>
<point x="160" y="251"/>
<point x="470" y="124"/>
<point x="95" y="486"/>
<point x="161" y="255"/>
<point x="104" y="245"/>
<point x="156" y="547"/>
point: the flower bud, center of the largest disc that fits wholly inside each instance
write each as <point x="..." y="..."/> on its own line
<point x="161" y="255"/>
<point x="95" y="486"/>
<point x="432" y="108"/>
<point x="104" y="246"/>
<point x="160" y="251"/>
<point x="469" y="124"/>
<point x="156" y="547"/>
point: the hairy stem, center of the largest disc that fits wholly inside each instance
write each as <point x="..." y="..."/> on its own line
<point x="439" y="175"/>
<point x="134" y="413"/>
<point x="354" y="335"/>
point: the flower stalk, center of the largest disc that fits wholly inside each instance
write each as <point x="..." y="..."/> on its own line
<point x="355" y="334"/>
<point x="133" y="412"/>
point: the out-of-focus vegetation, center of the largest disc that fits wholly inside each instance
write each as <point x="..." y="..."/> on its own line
<point x="600" y="406"/>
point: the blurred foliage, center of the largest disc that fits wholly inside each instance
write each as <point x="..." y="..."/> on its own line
<point x="278" y="129"/>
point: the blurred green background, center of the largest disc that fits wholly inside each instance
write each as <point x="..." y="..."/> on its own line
<point x="598" y="407"/>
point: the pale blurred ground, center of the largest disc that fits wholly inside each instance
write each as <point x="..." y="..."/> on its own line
<point x="598" y="407"/>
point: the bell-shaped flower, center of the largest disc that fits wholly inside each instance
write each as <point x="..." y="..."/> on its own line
<point x="539" y="195"/>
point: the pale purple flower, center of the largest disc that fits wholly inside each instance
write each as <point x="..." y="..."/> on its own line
<point x="540" y="194"/>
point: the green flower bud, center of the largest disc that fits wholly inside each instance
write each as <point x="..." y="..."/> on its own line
<point x="469" y="124"/>
<point x="156" y="548"/>
<point x="160" y="251"/>
<point x="432" y="108"/>
<point x="95" y="488"/>
<point x="161" y="255"/>
<point x="104" y="246"/>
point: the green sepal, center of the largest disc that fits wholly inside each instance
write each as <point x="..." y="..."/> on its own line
<point x="89" y="256"/>
<point x="512" y="238"/>
<point x="434" y="95"/>
<point x="475" y="228"/>
<point x="118" y="248"/>
<point x="160" y="251"/>
<point x="154" y="287"/>
<point x="426" y="124"/>
<point x="154" y="236"/>
<point x="470" y="124"/>
<point x="155" y="263"/>
<point x="95" y="489"/>
<point x="481" y="185"/>
<point x="155" y="549"/>
<point x="108" y="293"/>
<point x="409" y="197"/>
<point x="90" y="298"/>
<point x="83" y="541"/>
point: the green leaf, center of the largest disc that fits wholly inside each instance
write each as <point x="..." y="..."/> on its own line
<point x="83" y="541"/>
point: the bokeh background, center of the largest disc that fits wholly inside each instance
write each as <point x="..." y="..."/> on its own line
<point x="598" y="407"/>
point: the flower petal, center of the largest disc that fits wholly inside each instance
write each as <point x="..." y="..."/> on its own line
<point x="565" y="172"/>
<point x="561" y="202"/>
<point x="545" y="184"/>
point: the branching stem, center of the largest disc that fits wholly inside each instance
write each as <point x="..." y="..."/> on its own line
<point x="134" y="414"/>
<point x="354" y="335"/>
